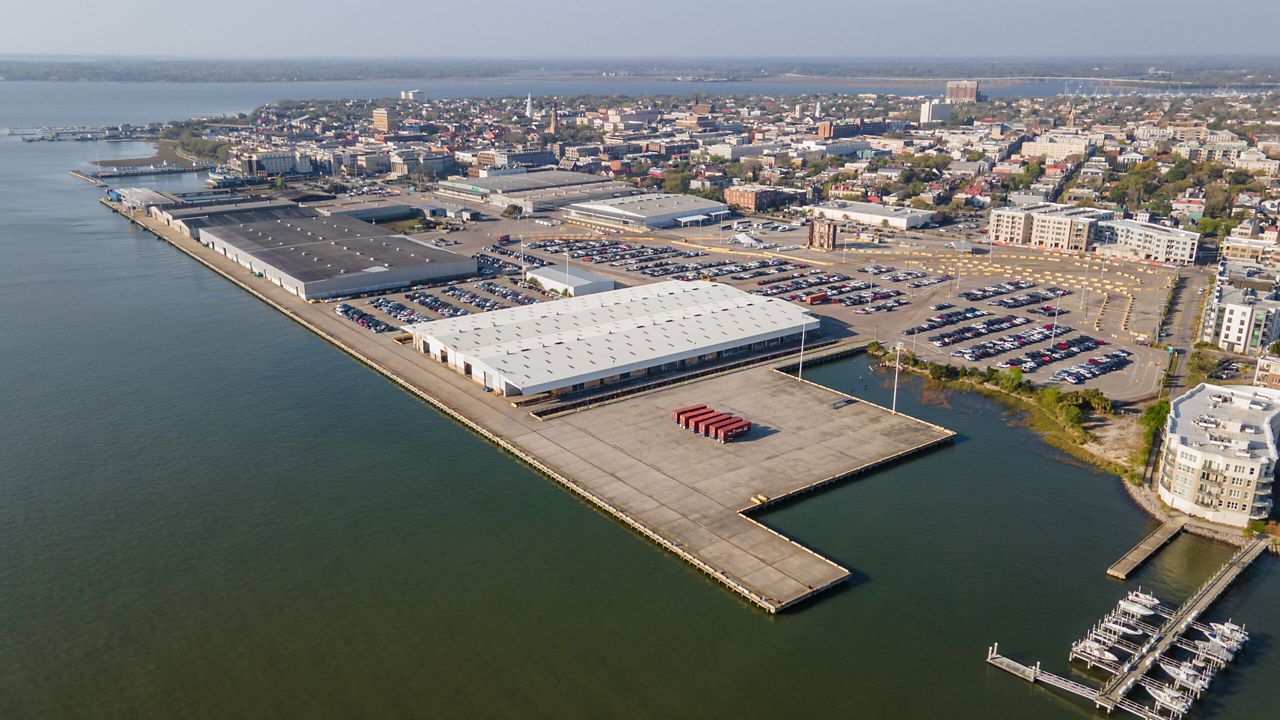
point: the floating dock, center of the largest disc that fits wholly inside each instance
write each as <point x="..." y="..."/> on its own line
<point x="1143" y="551"/>
<point x="1133" y="671"/>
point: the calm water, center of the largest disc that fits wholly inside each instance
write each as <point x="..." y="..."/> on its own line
<point x="206" y="512"/>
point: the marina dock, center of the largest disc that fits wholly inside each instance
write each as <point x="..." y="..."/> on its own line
<point x="1143" y="551"/>
<point x="1169" y="636"/>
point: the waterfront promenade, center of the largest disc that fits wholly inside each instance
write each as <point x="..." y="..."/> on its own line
<point x="687" y="493"/>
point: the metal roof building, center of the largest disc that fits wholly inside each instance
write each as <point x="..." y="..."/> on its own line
<point x="569" y="280"/>
<point x="329" y="257"/>
<point x="610" y="336"/>
<point x="654" y="210"/>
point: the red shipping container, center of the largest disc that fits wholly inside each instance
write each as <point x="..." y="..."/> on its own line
<point x="700" y="425"/>
<point x="688" y="419"/>
<point x="729" y="432"/>
<point x="726" y="421"/>
<point x="675" y="414"/>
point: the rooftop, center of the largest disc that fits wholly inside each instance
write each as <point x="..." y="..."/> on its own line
<point x="641" y="206"/>
<point x="1236" y="421"/>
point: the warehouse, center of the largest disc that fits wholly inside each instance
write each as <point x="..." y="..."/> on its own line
<point x="569" y="281"/>
<point x="658" y="210"/>
<point x="874" y="214"/>
<point x="534" y="191"/>
<point x="318" y="258"/>
<point x="608" y="337"/>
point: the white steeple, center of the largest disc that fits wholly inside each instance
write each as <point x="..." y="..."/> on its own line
<point x="528" y="106"/>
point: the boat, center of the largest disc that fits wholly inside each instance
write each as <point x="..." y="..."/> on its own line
<point x="1186" y="675"/>
<point x="1135" y="609"/>
<point x="1119" y="626"/>
<point x="1142" y="598"/>
<point x="1231" y="630"/>
<point x="1097" y="650"/>
<point x="1227" y="642"/>
<point x="1215" y="650"/>
<point x="1168" y="697"/>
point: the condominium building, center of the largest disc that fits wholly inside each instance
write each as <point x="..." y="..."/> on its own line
<point x="962" y="90"/>
<point x="1048" y="226"/>
<point x="1267" y="372"/>
<point x="385" y="120"/>
<point x="1219" y="455"/>
<point x="933" y="111"/>
<point x="1252" y="250"/>
<point x="1056" y="148"/>
<point x="1242" y="315"/>
<point x="1133" y="240"/>
<point x="758" y="198"/>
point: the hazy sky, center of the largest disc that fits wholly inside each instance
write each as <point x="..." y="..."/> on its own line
<point x="641" y="28"/>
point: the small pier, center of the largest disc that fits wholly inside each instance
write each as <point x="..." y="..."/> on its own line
<point x="1143" y="551"/>
<point x="1142" y="646"/>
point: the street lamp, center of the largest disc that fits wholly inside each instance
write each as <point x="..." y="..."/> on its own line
<point x="896" y="366"/>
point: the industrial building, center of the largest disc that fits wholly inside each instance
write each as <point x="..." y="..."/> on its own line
<point x="191" y="220"/>
<point x="874" y="214"/>
<point x="582" y="342"/>
<point x="534" y="191"/>
<point x="569" y="281"/>
<point x="1219" y="455"/>
<point x="317" y="258"/>
<point x="657" y="210"/>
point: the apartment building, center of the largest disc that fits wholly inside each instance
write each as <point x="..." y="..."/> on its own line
<point x="1133" y="240"/>
<point x="1243" y="314"/>
<point x="1056" y="148"/>
<point x="758" y="198"/>
<point x="385" y="120"/>
<point x="962" y="90"/>
<point x="1048" y="226"/>
<point x="1219" y="455"/>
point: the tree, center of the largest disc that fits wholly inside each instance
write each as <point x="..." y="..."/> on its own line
<point x="512" y="211"/>
<point x="1072" y="415"/>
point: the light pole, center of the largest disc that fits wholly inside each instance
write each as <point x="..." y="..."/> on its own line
<point x="800" y="370"/>
<point x="896" y="365"/>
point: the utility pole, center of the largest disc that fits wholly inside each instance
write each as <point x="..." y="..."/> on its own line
<point x="896" y="366"/>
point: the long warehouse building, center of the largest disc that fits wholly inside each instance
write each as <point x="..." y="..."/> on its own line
<point x="596" y="339"/>
<point x="316" y="258"/>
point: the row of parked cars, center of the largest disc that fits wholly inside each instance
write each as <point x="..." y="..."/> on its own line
<point x="476" y="300"/>
<point x="904" y="275"/>
<point x="1008" y="343"/>
<point x="435" y="304"/>
<point x="1035" y="359"/>
<point x="800" y="283"/>
<point x="979" y="329"/>
<point x="1031" y="298"/>
<point x="755" y="268"/>
<point x="952" y="317"/>
<point x="507" y="293"/>
<point x="362" y="318"/>
<point x="867" y="297"/>
<point x="927" y="281"/>
<point x="513" y="258"/>
<point x="876" y="269"/>
<point x="990" y="291"/>
<point x="398" y="310"/>
<point x="1094" y="367"/>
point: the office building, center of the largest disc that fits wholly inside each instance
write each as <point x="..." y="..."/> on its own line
<point x="933" y="111"/>
<point x="1056" y="148"/>
<point x="414" y="95"/>
<point x="609" y="337"/>
<point x="1219" y="455"/>
<point x="759" y="198"/>
<point x="385" y="120"/>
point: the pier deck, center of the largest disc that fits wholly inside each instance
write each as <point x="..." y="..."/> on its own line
<point x="1143" y="551"/>
<point x="687" y="493"/>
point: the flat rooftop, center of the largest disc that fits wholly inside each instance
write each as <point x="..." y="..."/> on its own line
<point x="874" y="208"/>
<point x="520" y="182"/>
<point x="312" y="249"/>
<point x="1227" y="419"/>
<point x="692" y="492"/>
<point x="652" y="205"/>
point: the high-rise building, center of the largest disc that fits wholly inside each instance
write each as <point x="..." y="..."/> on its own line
<point x="1219" y="455"/>
<point x="414" y="95"/>
<point x="962" y="90"/>
<point x="934" y="111"/>
<point x="385" y="120"/>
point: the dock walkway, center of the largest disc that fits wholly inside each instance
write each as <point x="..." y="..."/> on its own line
<point x="1143" y="551"/>
<point x="1171" y="632"/>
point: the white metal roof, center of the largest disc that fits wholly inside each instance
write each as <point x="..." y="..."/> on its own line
<point x="550" y="345"/>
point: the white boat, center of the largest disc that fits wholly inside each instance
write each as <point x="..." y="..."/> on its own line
<point x="1186" y="675"/>
<point x="1120" y="627"/>
<point x="1227" y="642"/>
<point x="1135" y="609"/>
<point x="1144" y="599"/>
<point x="1097" y="650"/>
<point x="1231" y="630"/>
<point x="1170" y="698"/>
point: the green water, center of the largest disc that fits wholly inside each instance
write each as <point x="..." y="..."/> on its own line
<point x="207" y="512"/>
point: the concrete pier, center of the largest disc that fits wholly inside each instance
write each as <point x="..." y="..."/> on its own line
<point x="1143" y="551"/>
<point x="687" y="493"/>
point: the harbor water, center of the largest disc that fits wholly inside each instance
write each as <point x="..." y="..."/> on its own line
<point x="208" y="512"/>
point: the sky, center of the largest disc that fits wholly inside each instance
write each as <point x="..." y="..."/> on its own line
<point x="640" y="28"/>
